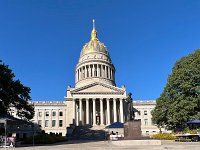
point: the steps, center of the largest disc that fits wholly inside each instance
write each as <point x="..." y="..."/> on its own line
<point x="88" y="133"/>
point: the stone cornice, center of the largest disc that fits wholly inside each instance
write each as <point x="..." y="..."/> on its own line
<point x="48" y="103"/>
<point x="144" y="102"/>
<point x="96" y="93"/>
<point x="93" y="61"/>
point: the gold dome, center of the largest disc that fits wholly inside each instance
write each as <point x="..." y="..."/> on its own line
<point x="94" y="45"/>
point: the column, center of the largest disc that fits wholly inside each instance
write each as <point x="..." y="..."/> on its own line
<point x="108" y="72"/>
<point x="113" y="74"/>
<point x="92" y="74"/>
<point x="83" y="71"/>
<point x="95" y="71"/>
<point x="94" y="111"/>
<point x="111" y="77"/>
<point x="121" y="111"/>
<point x="101" y="111"/>
<point x="77" y="113"/>
<point x="79" y="70"/>
<point x="89" y="70"/>
<point x="74" y="111"/>
<point x="102" y="72"/>
<point x="81" y="111"/>
<point x="86" y="71"/>
<point x="114" y="110"/>
<point x="80" y="73"/>
<point x="106" y="69"/>
<point x="77" y="75"/>
<point x="87" y="111"/>
<point x="83" y="68"/>
<point x="108" y="111"/>
<point x="98" y="71"/>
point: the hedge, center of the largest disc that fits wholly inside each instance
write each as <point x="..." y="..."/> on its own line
<point x="164" y="136"/>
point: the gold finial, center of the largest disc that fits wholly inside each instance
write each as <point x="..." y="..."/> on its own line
<point x="93" y="24"/>
<point x="94" y="32"/>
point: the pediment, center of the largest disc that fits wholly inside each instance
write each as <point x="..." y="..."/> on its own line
<point x="98" y="88"/>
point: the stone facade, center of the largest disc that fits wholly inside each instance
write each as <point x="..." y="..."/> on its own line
<point x="142" y="110"/>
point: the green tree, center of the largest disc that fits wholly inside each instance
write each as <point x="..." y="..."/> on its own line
<point x="180" y="100"/>
<point x="14" y="94"/>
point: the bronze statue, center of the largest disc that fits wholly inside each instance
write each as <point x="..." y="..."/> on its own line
<point x="129" y="100"/>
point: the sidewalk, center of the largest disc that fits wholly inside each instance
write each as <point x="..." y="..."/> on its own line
<point x="105" y="145"/>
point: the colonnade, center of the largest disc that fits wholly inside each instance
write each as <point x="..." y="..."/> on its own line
<point x="101" y="111"/>
<point x="95" y="70"/>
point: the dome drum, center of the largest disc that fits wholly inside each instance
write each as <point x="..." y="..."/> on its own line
<point x="93" y="71"/>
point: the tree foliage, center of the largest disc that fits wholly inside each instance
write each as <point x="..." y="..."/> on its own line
<point x="14" y="94"/>
<point x="180" y="100"/>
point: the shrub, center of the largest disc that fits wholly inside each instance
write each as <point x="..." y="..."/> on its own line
<point x="190" y="131"/>
<point x="163" y="136"/>
<point x="45" y="139"/>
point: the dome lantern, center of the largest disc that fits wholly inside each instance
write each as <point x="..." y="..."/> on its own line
<point x="94" y="32"/>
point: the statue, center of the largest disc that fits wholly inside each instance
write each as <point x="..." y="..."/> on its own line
<point x="132" y="128"/>
<point x="130" y="107"/>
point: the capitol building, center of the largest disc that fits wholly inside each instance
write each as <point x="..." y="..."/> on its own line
<point x="95" y="100"/>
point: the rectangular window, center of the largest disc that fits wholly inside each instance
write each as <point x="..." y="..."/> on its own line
<point x="145" y="112"/>
<point x="53" y="123"/>
<point x="40" y="114"/>
<point x="47" y="113"/>
<point x="46" y="123"/>
<point x="147" y="132"/>
<point x="60" y="113"/>
<point x="39" y="122"/>
<point x="60" y="123"/>
<point x="54" y="113"/>
<point x="146" y="122"/>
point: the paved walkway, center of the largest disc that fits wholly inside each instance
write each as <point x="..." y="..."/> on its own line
<point x="105" y="145"/>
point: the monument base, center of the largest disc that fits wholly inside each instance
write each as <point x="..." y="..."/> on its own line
<point x="132" y="130"/>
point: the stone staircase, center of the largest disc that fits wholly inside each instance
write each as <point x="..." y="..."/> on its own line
<point x="87" y="133"/>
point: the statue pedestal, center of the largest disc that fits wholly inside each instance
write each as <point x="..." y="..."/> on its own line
<point x="132" y="130"/>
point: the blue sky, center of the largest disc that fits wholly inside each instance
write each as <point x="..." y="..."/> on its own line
<point x="41" y="41"/>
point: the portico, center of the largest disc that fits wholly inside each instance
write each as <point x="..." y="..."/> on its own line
<point x="98" y="111"/>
